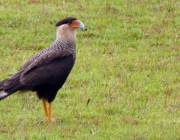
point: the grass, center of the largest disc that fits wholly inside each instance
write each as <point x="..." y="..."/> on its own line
<point x="127" y="66"/>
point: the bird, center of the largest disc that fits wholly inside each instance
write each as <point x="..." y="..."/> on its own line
<point x="46" y="72"/>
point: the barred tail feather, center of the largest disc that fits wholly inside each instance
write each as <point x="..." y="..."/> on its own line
<point x="9" y="86"/>
<point x="3" y="94"/>
<point x="5" y="91"/>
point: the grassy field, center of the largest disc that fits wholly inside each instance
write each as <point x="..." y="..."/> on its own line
<point x="128" y="66"/>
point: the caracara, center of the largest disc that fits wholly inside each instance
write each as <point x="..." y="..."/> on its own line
<point x="46" y="72"/>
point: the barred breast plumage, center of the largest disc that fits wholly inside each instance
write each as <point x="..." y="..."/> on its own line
<point x="46" y="72"/>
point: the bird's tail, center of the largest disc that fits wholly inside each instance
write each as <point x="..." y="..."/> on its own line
<point x="9" y="86"/>
<point x="3" y="94"/>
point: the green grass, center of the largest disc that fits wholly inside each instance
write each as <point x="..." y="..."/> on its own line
<point x="128" y="65"/>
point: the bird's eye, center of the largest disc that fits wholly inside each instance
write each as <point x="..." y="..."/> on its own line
<point x="70" y="22"/>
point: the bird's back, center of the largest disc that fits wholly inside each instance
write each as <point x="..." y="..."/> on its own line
<point x="48" y="68"/>
<point x="56" y="46"/>
<point x="47" y="71"/>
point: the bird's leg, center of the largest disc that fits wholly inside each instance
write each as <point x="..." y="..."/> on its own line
<point x="45" y="108"/>
<point x="50" y="111"/>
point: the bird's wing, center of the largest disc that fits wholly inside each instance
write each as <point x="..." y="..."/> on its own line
<point x="49" y="67"/>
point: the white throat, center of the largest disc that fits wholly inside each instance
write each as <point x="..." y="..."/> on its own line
<point x="65" y="33"/>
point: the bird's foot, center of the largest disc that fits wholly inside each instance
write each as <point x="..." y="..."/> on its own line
<point x="49" y="120"/>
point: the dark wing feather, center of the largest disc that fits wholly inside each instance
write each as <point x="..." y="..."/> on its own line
<point x="49" y="67"/>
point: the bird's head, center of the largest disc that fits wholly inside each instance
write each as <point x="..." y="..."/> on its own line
<point x="67" y="27"/>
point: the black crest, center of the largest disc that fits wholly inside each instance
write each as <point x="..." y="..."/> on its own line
<point x="65" y="21"/>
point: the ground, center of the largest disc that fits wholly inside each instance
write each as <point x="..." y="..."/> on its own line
<point x="128" y="68"/>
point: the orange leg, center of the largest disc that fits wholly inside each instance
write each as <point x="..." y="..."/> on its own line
<point x="50" y="111"/>
<point x="45" y="108"/>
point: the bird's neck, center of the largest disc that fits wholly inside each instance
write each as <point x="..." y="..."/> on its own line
<point x="66" y="34"/>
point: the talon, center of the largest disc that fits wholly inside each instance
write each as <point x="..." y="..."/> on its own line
<point x="49" y="120"/>
<point x="45" y="120"/>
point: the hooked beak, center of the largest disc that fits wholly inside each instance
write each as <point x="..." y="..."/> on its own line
<point x="81" y="25"/>
<point x="76" y="24"/>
